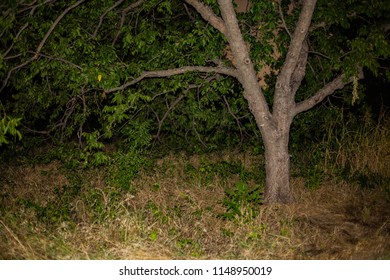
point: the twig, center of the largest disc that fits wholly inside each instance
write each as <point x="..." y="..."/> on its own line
<point x="197" y="133"/>
<point x="282" y="18"/>
<point x="32" y="6"/>
<point x="320" y="54"/>
<point x="123" y="17"/>
<point x="70" y="107"/>
<point x="188" y="12"/>
<point x="117" y="3"/>
<point x="16" y="38"/>
<point x="234" y="116"/>
<point x="42" y="43"/>
<point x="170" y="108"/>
<point x="59" y="59"/>
<point x="81" y="126"/>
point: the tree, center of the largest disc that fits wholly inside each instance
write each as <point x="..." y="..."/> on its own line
<point x="274" y="125"/>
<point x="85" y="56"/>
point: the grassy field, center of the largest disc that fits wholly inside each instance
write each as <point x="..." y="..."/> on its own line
<point x="199" y="206"/>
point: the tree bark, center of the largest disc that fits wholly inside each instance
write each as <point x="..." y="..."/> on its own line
<point x="277" y="168"/>
<point x="274" y="126"/>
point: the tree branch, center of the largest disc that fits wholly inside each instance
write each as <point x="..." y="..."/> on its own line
<point x="337" y="83"/>
<point x="235" y="117"/>
<point x="14" y="69"/>
<point x="16" y="38"/>
<point x="60" y="59"/>
<point x="101" y="18"/>
<point x="208" y="15"/>
<point x="177" y="71"/>
<point x="42" y="43"/>
<point x="247" y="75"/>
<point x="123" y="17"/>
<point x="282" y="18"/>
<point x="299" y="72"/>
<point x="297" y="42"/>
<point x="53" y="26"/>
<point x="32" y="6"/>
<point x="170" y="108"/>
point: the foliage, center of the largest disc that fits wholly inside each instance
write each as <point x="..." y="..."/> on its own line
<point x="125" y="166"/>
<point x="8" y="126"/>
<point x="64" y="79"/>
<point x="63" y="93"/>
<point x="242" y="201"/>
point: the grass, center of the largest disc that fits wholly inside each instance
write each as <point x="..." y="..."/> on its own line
<point x="177" y="212"/>
<point x="202" y="206"/>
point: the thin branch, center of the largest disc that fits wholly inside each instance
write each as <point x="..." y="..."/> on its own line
<point x="16" y="38"/>
<point x="70" y="107"/>
<point x="44" y="132"/>
<point x="81" y="126"/>
<point x="13" y="56"/>
<point x="337" y="83"/>
<point x="320" y="54"/>
<point x="33" y="7"/>
<point x="176" y="71"/>
<point x="42" y="43"/>
<point x="208" y="15"/>
<point x="235" y="117"/>
<point x="170" y="108"/>
<point x="117" y="3"/>
<point x="53" y="26"/>
<point x="123" y="17"/>
<point x="197" y="133"/>
<point x="14" y="69"/>
<point x="60" y="59"/>
<point x="282" y="18"/>
<point x="188" y="12"/>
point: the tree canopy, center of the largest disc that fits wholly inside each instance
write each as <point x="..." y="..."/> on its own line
<point x="141" y="70"/>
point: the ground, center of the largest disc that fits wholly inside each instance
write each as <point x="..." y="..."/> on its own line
<point x="177" y="209"/>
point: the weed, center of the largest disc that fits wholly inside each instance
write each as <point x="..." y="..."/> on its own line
<point x="153" y="235"/>
<point x="242" y="201"/>
<point x="124" y="166"/>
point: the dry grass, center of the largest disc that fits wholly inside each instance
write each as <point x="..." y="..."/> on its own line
<point x="362" y="150"/>
<point x="174" y="214"/>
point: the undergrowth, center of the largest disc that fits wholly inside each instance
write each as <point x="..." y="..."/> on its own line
<point x="56" y="204"/>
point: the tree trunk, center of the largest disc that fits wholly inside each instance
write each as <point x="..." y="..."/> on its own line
<point x="275" y="126"/>
<point x="277" y="167"/>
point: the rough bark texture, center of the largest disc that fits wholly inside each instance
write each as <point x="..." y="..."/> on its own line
<point x="275" y="125"/>
<point x="277" y="167"/>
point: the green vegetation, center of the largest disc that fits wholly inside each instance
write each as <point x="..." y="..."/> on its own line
<point x="103" y="155"/>
<point x="200" y="206"/>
